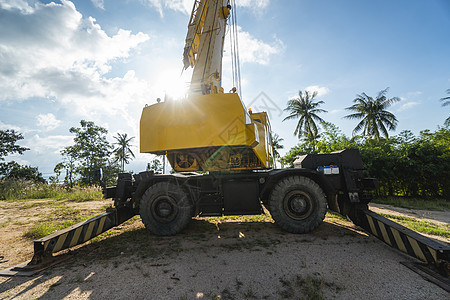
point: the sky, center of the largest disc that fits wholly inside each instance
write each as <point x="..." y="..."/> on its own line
<point x="104" y="60"/>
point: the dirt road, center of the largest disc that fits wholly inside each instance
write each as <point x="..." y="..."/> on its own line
<point x="215" y="259"/>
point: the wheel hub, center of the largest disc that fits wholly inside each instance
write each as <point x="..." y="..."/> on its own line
<point x="298" y="205"/>
<point x="164" y="209"/>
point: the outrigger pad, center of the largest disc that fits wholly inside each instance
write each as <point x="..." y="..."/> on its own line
<point x="428" y="274"/>
<point x="25" y="269"/>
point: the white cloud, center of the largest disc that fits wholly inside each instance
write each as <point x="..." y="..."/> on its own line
<point x="48" y="121"/>
<point x="98" y="3"/>
<point x="252" y="50"/>
<point x="185" y="6"/>
<point x="321" y="91"/>
<point x="47" y="144"/>
<point x="52" y="51"/>
<point x="414" y="94"/>
<point x="21" y="5"/>
<point x="408" y="105"/>
<point x="5" y="126"/>
<point x="256" y="4"/>
<point x="20" y="161"/>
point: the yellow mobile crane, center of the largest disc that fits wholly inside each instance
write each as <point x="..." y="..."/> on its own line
<point x="212" y="131"/>
<point x="209" y="130"/>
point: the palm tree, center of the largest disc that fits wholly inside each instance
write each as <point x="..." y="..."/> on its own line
<point x="123" y="151"/>
<point x="276" y="144"/>
<point x="375" y="117"/>
<point x="446" y="101"/>
<point x="304" y="109"/>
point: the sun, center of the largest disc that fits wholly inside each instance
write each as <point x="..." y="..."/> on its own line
<point x="170" y="84"/>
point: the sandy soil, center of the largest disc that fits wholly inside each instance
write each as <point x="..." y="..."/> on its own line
<point x="235" y="259"/>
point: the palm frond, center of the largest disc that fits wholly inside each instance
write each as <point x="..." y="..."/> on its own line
<point x="372" y="113"/>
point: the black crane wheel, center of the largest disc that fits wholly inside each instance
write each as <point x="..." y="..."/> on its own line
<point x="297" y="204"/>
<point x="165" y="209"/>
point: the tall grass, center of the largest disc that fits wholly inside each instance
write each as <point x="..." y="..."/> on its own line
<point x="16" y="189"/>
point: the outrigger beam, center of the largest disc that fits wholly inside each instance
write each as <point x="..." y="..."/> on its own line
<point x="67" y="238"/>
<point x="436" y="255"/>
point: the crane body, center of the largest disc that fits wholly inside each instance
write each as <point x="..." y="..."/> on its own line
<point x="212" y="131"/>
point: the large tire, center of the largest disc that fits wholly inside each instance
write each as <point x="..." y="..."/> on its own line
<point x="165" y="209"/>
<point x="297" y="204"/>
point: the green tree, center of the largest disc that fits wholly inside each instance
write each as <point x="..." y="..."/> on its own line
<point x="69" y="155"/>
<point x="332" y="139"/>
<point x="123" y="151"/>
<point x="155" y="165"/>
<point x="91" y="150"/>
<point x="294" y="153"/>
<point x="306" y="110"/>
<point x="376" y="120"/>
<point x="57" y="169"/>
<point x="110" y="171"/>
<point x="8" y="139"/>
<point x="446" y="101"/>
<point x="13" y="170"/>
<point x="276" y="144"/>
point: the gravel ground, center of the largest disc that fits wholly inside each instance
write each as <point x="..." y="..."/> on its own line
<point x="234" y="259"/>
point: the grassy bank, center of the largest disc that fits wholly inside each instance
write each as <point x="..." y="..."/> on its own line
<point x="60" y="217"/>
<point x="415" y="203"/>
<point x="421" y="225"/>
<point x="12" y="190"/>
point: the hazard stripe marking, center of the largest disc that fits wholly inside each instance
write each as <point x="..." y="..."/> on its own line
<point x="100" y="226"/>
<point x="46" y="244"/>
<point x="417" y="251"/>
<point x="408" y="246"/>
<point x="433" y="253"/>
<point x="404" y="239"/>
<point x="372" y="226"/>
<point x="425" y="252"/>
<point x="399" y="241"/>
<point x="60" y="242"/>
<point x="384" y="233"/>
<point x="76" y="236"/>
<point x="87" y="236"/>
<point x="391" y="236"/>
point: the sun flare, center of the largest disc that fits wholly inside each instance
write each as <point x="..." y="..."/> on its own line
<point x="173" y="85"/>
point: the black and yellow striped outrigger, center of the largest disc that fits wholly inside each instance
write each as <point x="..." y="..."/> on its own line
<point x="393" y="234"/>
<point x="67" y="238"/>
<point x="406" y="240"/>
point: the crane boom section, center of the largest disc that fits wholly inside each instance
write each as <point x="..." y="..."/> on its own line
<point x="204" y="45"/>
<point x="208" y="130"/>
<point x="194" y="32"/>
